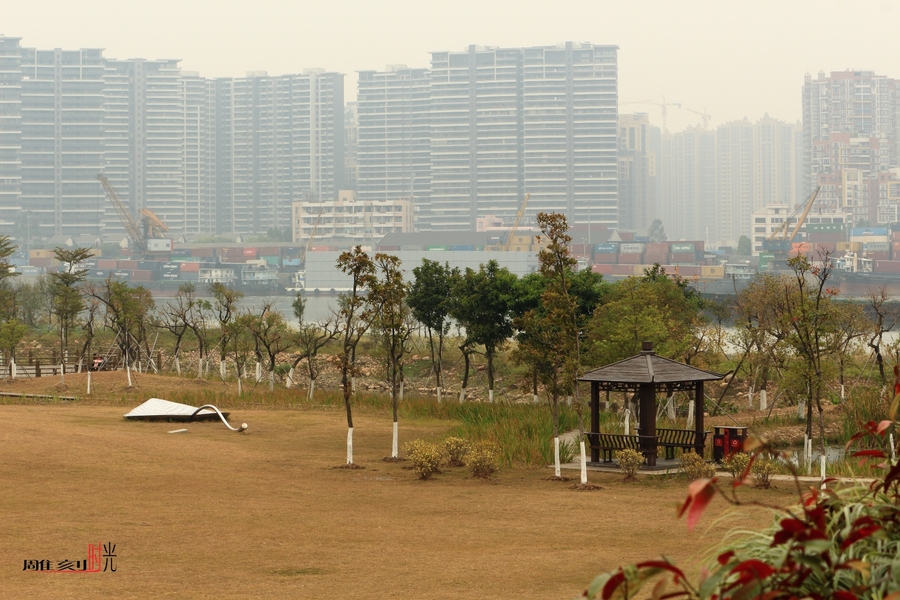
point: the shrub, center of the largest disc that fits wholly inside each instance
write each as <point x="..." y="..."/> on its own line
<point x="483" y="459"/>
<point x="762" y="470"/>
<point x="456" y="449"/>
<point x="736" y="463"/>
<point x="426" y="457"/>
<point x="629" y="461"/>
<point x="693" y="465"/>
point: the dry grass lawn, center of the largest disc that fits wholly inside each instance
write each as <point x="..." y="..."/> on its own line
<point x="215" y="514"/>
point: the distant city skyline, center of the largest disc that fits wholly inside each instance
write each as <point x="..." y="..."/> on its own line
<point x="729" y="60"/>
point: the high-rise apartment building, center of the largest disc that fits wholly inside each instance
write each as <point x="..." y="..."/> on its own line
<point x="276" y="139"/>
<point x="511" y="121"/>
<point x="394" y="134"/>
<point x="640" y="153"/>
<point x="851" y="121"/>
<point x="689" y="185"/>
<point x="144" y="129"/>
<point x="10" y="134"/>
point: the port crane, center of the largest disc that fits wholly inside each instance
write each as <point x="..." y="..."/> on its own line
<point x="515" y="226"/>
<point x="153" y="227"/>
<point x="779" y="241"/>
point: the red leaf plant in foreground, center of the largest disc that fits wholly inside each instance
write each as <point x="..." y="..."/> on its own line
<point x="837" y="542"/>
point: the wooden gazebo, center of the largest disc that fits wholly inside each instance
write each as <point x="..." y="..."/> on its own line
<point x="647" y="374"/>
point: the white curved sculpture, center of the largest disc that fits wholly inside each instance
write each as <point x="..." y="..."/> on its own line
<point x="242" y="428"/>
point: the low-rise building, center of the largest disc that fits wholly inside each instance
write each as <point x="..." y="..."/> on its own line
<point x="350" y="218"/>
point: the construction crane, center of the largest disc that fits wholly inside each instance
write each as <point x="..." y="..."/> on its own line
<point x="515" y="225"/>
<point x="312" y="234"/>
<point x="779" y="241"/>
<point x="154" y="228"/>
<point x="704" y="115"/>
<point x="131" y="226"/>
<point x="663" y="108"/>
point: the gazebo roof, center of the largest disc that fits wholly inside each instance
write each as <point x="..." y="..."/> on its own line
<point x="645" y="368"/>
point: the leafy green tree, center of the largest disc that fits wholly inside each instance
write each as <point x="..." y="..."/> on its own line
<point x="309" y="339"/>
<point x="67" y="300"/>
<point x="7" y="273"/>
<point x="483" y="306"/>
<point x="12" y="332"/>
<point x="430" y="299"/>
<point x="656" y="307"/>
<point x="240" y="344"/>
<point x="175" y="317"/>
<point x="744" y="247"/>
<point x="128" y="311"/>
<point x="392" y="322"/>
<point x="354" y="318"/>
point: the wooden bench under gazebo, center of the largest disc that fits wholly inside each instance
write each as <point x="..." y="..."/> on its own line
<point x="647" y="374"/>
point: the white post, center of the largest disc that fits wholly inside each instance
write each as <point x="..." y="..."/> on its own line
<point x="556" y="468"/>
<point x="290" y="379"/>
<point x="271" y="381"/>
<point x="462" y="395"/>
<point x="439" y="394"/>
<point x="490" y="395"/>
<point x="893" y="448"/>
<point x="842" y="392"/>
<point x="763" y="400"/>
<point x="690" y="419"/>
<point x="670" y="407"/>
<point x="349" y="445"/>
<point x="258" y="372"/>
<point x="13" y="368"/>
<point x="89" y="382"/>
<point x="583" y="463"/>
<point x="806" y="449"/>
<point x="627" y="422"/>
<point x="750" y="397"/>
<point x="128" y="372"/>
<point x="394" y="442"/>
<point x="222" y="369"/>
<point x="822" y="470"/>
<point x="62" y="373"/>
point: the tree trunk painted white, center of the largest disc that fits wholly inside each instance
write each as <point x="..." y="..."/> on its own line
<point x="536" y="399"/>
<point x="353" y="384"/>
<point x="349" y="445"/>
<point x="439" y="394"/>
<point x="223" y="369"/>
<point x="627" y="421"/>
<point x="822" y="470"/>
<point x="290" y="379"/>
<point x="401" y="391"/>
<point x="842" y="392"/>
<point x="750" y="397"/>
<point x="240" y="386"/>
<point x="258" y="372"/>
<point x="78" y="368"/>
<point x="62" y="373"/>
<point x="140" y="366"/>
<point x="271" y="381"/>
<point x="394" y="443"/>
<point x="13" y="370"/>
<point x="556" y="468"/>
<point x="206" y="364"/>
<point x="462" y="395"/>
<point x="568" y="400"/>
<point x="490" y="395"/>
<point x="690" y="419"/>
<point x="311" y="390"/>
<point x="178" y="366"/>
<point x="893" y="448"/>
<point x="670" y="407"/>
<point x="763" y="400"/>
<point x="806" y="450"/>
<point x="801" y="410"/>
<point x="583" y="463"/>
<point x="200" y="368"/>
<point x="128" y="372"/>
<point x="89" y="382"/>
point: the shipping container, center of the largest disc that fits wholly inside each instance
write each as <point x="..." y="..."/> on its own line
<point x="39" y="254"/>
<point x="170" y="274"/>
<point x="887" y="266"/>
<point x="171" y="266"/>
<point x="437" y="248"/>
<point x="157" y="245"/>
<point x="40" y="262"/>
<point x="895" y="236"/>
<point x="105" y="263"/>
<point x="291" y="262"/>
<point x="207" y="252"/>
<point x="631" y="259"/>
<point x="268" y="251"/>
<point x="581" y="249"/>
<point x="683" y="248"/>
<point x="392" y="248"/>
<point x="682" y="258"/>
<point x="606" y="249"/>
<point x="149" y="265"/>
<point x="468" y="248"/>
<point x="180" y="252"/>
<point x="824" y="227"/>
<point x="876" y="246"/>
<point x="715" y="272"/>
<point x="274" y="261"/>
<point x="139" y="275"/>
<point x="638" y="270"/>
<point x="121" y="274"/>
<point x="190" y="267"/>
<point x="652" y="259"/>
<point x="189" y="276"/>
<point x="631" y="248"/>
<point x="685" y="270"/>
<point x="126" y="265"/>
<point x="868" y="231"/>
<point x="606" y="258"/>
<point x="627" y="270"/>
<point x="879" y="255"/>
<point x="249" y="252"/>
<point x="602" y="269"/>
<point x="658" y="248"/>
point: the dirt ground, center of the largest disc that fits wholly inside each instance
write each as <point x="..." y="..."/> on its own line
<point x="265" y="514"/>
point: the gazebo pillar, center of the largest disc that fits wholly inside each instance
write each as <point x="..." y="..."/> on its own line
<point x="595" y="421"/>
<point x="698" y="419"/>
<point x="647" y="395"/>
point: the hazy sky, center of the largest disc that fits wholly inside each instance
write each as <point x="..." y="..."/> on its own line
<point x="734" y="59"/>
